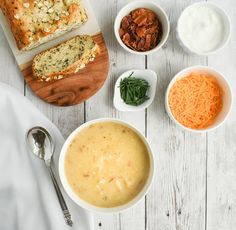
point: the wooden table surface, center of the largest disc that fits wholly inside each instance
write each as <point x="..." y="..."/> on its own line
<point x="195" y="183"/>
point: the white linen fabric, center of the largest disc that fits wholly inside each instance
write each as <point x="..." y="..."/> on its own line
<point x="27" y="197"/>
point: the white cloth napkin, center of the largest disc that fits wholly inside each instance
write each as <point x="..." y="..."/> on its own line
<point x="27" y="197"/>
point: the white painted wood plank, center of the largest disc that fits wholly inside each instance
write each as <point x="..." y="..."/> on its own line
<point x="177" y="199"/>
<point x="9" y="72"/>
<point x="221" y="172"/>
<point x="68" y="118"/>
<point x="102" y="106"/>
<point x="181" y="156"/>
<point x="44" y="107"/>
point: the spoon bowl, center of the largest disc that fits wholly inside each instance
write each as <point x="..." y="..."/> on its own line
<point x="40" y="143"/>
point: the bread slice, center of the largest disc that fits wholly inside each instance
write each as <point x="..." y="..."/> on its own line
<point x="34" y="22"/>
<point x="64" y="59"/>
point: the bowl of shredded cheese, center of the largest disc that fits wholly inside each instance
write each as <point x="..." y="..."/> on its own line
<point x="198" y="99"/>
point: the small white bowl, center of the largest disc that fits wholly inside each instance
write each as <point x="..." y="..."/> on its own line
<point x="148" y="75"/>
<point x="226" y="24"/>
<point x="87" y="205"/>
<point x="227" y="96"/>
<point x="162" y="16"/>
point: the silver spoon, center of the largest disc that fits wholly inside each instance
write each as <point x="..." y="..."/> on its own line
<point x="40" y="143"/>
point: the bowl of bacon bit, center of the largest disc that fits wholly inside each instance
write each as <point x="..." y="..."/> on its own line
<point x="142" y="27"/>
<point x="198" y="99"/>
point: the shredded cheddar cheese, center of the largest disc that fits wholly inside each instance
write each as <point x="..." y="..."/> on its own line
<point x="196" y="100"/>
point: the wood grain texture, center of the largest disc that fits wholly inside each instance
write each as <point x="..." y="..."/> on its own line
<point x="194" y="188"/>
<point x="177" y="199"/>
<point x="221" y="152"/>
<point x="9" y="74"/>
<point x="76" y="88"/>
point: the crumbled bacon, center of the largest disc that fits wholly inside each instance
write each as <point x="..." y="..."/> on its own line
<point x="126" y="38"/>
<point x="141" y="20"/>
<point x="141" y="30"/>
<point x="148" y="41"/>
<point x="124" y="23"/>
<point x="141" y="44"/>
<point x="121" y="32"/>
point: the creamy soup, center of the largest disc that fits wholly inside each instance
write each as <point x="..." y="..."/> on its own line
<point x="107" y="164"/>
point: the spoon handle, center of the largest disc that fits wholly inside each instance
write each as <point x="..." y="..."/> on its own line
<point x="62" y="202"/>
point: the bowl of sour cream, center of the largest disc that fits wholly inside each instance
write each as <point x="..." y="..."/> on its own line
<point x="203" y="28"/>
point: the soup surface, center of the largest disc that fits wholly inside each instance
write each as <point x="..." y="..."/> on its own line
<point x="107" y="164"/>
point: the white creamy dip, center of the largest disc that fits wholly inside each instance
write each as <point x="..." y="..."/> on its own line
<point x="201" y="28"/>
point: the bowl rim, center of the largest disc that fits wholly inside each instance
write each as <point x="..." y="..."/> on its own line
<point x="140" y="107"/>
<point x="80" y="202"/>
<point x="181" y="73"/>
<point x="227" y="19"/>
<point x="118" y="21"/>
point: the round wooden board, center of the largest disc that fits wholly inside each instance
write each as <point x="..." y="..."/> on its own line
<point x="75" y="88"/>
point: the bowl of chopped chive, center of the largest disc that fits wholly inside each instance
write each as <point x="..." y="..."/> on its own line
<point x="135" y="90"/>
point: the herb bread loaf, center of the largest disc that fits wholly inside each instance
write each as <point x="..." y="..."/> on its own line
<point x="34" y="22"/>
<point x="64" y="59"/>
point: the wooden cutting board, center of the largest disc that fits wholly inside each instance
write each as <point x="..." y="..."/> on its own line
<point x="75" y="88"/>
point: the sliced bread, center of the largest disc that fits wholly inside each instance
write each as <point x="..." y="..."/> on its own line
<point x="34" y="22"/>
<point x="65" y="59"/>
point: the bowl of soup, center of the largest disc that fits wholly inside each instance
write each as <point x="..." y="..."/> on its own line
<point x="106" y="165"/>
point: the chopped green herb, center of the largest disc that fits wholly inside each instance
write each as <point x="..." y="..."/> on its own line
<point x="133" y="90"/>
